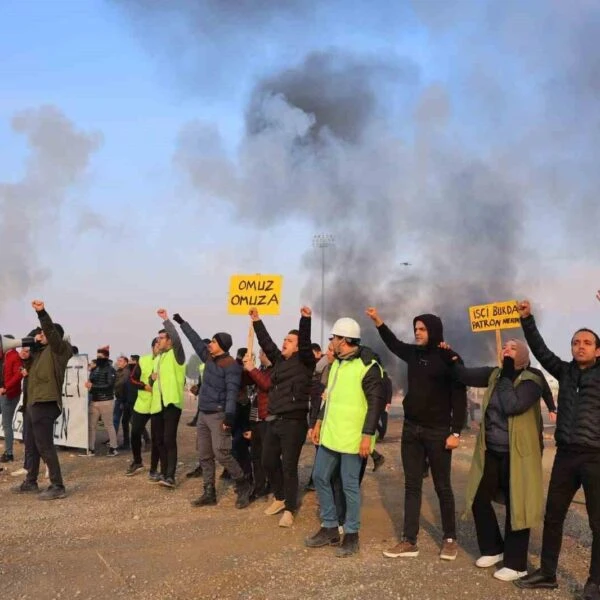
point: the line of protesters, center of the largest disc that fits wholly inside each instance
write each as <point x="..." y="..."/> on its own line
<point x="506" y="465"/>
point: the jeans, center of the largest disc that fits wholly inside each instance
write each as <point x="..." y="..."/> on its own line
<point x="40" y="441"/>
<point x="138" y="428"/>
<point x="496" y="476"/>
<point x="8" y="407"/>
<point x="338" y="489"/>
<point x="418" y="443"/>
<point x="349" y="465"/>
<point x="164" y="435"/>
<point x="281" y="452"/>
<point x="570" y="471"/>
<point x="214" y="442"/>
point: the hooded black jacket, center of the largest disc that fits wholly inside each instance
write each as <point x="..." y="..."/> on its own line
<point x="434" y="398"/>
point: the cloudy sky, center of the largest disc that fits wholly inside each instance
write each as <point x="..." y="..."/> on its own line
<point x="148" y="153"/>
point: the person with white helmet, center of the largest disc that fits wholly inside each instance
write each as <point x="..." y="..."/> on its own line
<point x="346" y="434"/>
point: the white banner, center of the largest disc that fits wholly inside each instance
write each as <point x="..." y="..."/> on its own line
<point x="71" y="427"/>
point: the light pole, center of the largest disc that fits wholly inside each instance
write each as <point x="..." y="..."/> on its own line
<point x="322" y="241"/>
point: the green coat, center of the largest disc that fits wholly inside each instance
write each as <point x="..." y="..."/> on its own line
<point x="524" y="431"/>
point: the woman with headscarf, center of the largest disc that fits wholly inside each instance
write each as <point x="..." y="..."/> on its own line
<point x="507" y="461"/>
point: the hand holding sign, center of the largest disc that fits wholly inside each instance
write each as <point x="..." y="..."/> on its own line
<point x="305" y="311"/>
<point x="254" y="316"/>
<point x="524" y="308"/>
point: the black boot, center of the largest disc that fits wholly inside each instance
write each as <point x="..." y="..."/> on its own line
<point x="326" y="536"/>
<point x="197" y="472"/>
<point x="349" y="545"/>
<point x="378" y="460"/>
<point x="243" y="489"/>
<point x="208" y="498"/>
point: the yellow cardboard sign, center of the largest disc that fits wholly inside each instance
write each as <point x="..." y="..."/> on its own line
<point x="499" y="315"/>
<point x="260" y="291"/>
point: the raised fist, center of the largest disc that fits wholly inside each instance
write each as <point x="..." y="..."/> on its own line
<point x="162" y="313"/>
<point x="38" y="305"/>
<point x="305" y="311"/>
<point x="524" y="308"/>
<point x="372" y="313"/>
<point x="254" y="316"/>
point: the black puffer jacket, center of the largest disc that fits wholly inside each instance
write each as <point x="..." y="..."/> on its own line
<point x="291" y="379"/>
<point x="578" y="395"/>
<point x="434" y="397"/>
<point x="103" y="379"/>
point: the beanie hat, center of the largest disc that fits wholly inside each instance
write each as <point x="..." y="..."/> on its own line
<point x="522" y="355"/>
<point x="224" y="340"/>
<point x="105" y="350"/>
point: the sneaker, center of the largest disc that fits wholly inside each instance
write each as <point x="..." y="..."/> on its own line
<point x="19" y="472"/>
<point x="489" y="560"/>
<point x="6" y="457"/>
<point x="54" y="492"/>
<point x="275" y="507"/>
<point x="154" y="477"/>
<point x="287" y="519"/>
<point x="591" y="591"/>
<point x="134" y="468"/>
<point x="87" y="453"/>
<point x="27" y="487"/>
<point x="449" y="549"/>
<point x="506" y="574"/>
<point x="404" y="548"/>
<point x="326" y="536"/>
<point x="349" y="546"/>
<point x="112" y="452"/>
<point x="167" y="482"/>
<point x="197" y="472"/>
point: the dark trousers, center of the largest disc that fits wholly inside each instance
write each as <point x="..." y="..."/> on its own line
<point x="496" y="477"/>
<point x="382" y="424"/>
<point x="258" y="429"/>
<point x="281" y="452"/>
<point x="417" y="444"/>
<point x="570" y="471"/>
<point x="138" y="429"/>
<point x="125" y="420"/>
<point x="240" y="448"/>
<point x="40" y="441"/>
<point x="29" y="444"/>
<point x="164" y="435"/>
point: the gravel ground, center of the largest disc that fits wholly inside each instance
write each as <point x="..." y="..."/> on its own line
<point x="120" y="537"/>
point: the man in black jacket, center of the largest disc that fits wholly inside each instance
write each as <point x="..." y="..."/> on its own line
<point x="287" y="425"/>
<point x="434" y="413"/>
<point x="577" y="460"/>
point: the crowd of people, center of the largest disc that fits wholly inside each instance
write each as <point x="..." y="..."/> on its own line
<point x="254" y="420"/>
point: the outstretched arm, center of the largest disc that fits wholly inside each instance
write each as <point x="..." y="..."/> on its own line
<point x="305" y="352"/>
<point x="400" y="349"/>
<point x="195" y="340"/>
<point x="552" y="363"/>
<point x="264" y="339"/>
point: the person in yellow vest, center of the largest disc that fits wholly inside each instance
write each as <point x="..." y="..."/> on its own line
<point x="168" y="381"/>
<point x="346" y="435"/>
<point x="140" y="379"/>
<point x="507" y="461"/>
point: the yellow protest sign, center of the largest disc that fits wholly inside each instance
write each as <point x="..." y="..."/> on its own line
<point x="260" y="291"/>
<point x="490" y="317"/>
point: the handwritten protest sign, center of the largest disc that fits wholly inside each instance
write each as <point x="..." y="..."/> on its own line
<point x="499" y="315"/>
<point x="260" y="291"/>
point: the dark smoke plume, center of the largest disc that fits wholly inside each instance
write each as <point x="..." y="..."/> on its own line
<point x="458" y="177"/>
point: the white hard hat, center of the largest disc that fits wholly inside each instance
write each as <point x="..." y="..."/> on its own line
<point x="346" y="328"/>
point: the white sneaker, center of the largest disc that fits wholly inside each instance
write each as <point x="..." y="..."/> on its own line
<point x="488" y="561"/>
<point x="275" y="507"/>
<point x="19" y="472"/>
<point x="287" y="519"/>
<point x="506" y="574"/>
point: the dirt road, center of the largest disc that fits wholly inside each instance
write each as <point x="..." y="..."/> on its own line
<point x="121" y="537"/>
